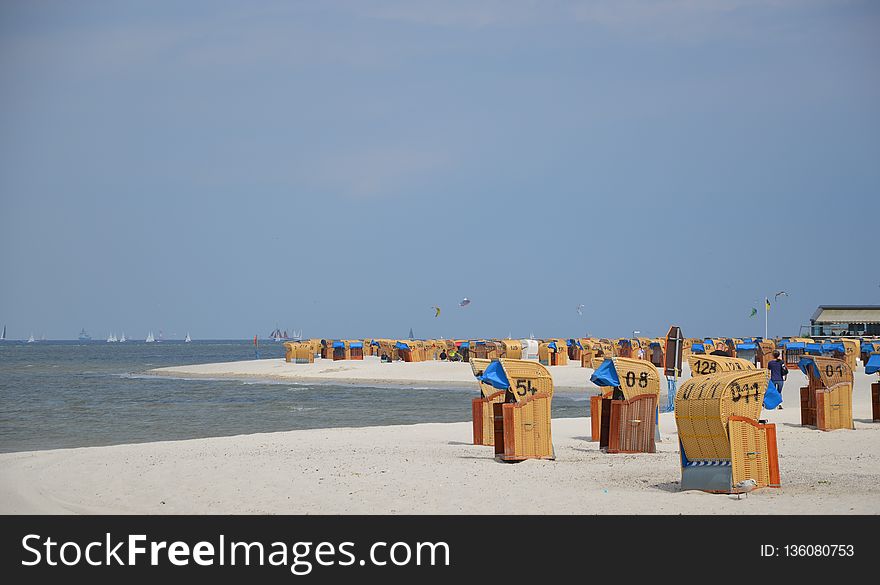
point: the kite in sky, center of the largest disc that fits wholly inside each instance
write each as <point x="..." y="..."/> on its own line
<point x="464" y="302"/>
<point x="580" y="309"/>
<point x="436" y="311"/>
<point x="754" y="312"/>
<point x="781" y="293"/>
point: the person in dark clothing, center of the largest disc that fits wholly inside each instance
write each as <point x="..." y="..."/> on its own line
<point x="442" y="354"/>
<point x="721" y="352"/>
<point x="778" y="373"/>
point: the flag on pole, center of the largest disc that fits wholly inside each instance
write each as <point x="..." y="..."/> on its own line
<point x="767" y="301"/>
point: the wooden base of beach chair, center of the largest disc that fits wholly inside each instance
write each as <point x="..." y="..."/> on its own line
<point x="522" y="430"/>
<point x="875" y="401"/>
<point x="827" y="410"/>
<point x="628" y="426"/>
<point x="484" y="418"/>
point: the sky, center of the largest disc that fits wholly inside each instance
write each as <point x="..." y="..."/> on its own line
<point x="223" y="168"/>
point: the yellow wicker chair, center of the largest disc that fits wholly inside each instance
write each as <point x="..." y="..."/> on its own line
<point x="721" y="440"/>
<point x="826" y="401"/>
<point x="626" y="421"/>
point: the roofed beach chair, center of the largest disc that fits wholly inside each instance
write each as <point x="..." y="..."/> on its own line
<point x="627" y="420"/>
<point x="522" y="421"/>
<point x="826" y="402"/>
<point x="722" y="442"/>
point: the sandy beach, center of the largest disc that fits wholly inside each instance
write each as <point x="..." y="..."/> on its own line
<point x="432" y="468"/>
<point x="368" y="371"/>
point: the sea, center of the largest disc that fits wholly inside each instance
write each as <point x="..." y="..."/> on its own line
<point x="62" y="394"/>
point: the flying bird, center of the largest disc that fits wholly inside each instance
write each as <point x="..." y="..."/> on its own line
<point x="744" y="487"/>
<point x="464" y="302"/>
<point x="580" y="309"/>
<point x="436" y="311"/>
<point x="781" y="293"/>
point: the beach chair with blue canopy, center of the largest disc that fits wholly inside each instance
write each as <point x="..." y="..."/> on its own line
<point x="625" y="421"/>
<point x="826" y="402"/>
<point x="721" y="440"/>
<point x="522" y="421"/>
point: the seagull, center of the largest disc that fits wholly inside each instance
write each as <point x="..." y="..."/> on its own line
<point x="744" y="487"/>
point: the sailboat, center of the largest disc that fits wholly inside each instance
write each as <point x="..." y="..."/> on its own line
<point x="188" y="339"/>
<point x="150" y="338"/>
<point x="122" y="339"/>
<point x="31" y="338"/>
<point x="112" y="338"/>
<point x="3" y="337"/>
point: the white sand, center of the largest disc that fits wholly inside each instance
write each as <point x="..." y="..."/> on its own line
<point x="433" y="468"/>
<point x="367" y="371"/>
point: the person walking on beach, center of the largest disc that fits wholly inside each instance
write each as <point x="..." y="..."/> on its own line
<point x="641" y="353"/>
<point x="778" y="373"/>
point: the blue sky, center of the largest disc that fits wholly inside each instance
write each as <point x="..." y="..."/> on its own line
<point x="340" y="167"/>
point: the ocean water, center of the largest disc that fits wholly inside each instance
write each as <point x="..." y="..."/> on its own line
<point x="57" y="394"/>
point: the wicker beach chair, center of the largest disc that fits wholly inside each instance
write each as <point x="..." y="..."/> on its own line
<point x="522" y="421"/>
<point x="702" y="365"/>
<point x="721" y="440"/>
<point x="627" y="420"/>
<point x="826" y="401"/>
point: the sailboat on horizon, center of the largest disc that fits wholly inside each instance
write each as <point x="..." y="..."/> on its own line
<point x="3" y="337"/>
<point x="188" y="338"/>
<point x="31" y="339"/>
<point x="112" y="338"/>
<point x="150" y="338"/>
<point x="122" y="339"/>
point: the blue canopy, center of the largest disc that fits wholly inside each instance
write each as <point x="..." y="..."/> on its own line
<point x="605" y="374"/>
<point x="867" y="347"/>
<point x="374" y="342"/>
<point x="873" y="365"/>
<point x="795" y="345"/>
<point x="829" y="347"/>
<point x="654" y="344"/>
<point x="746" y="346"/>
<point x="552" y="345"/>
<point x="356" y="345"/>
<point x="805" y="363"/>
<point x="813" y="348"/>
<point x="401" y="345"/>
<point x="698" y="347"/>
<point x="338" y="345"/>
<point x="465" y="344"/>
<point x="494" y="376"/>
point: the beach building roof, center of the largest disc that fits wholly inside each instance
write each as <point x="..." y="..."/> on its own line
<point x="846" y="314"/>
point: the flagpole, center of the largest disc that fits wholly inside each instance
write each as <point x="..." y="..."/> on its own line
<point x="766" y="316"/>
